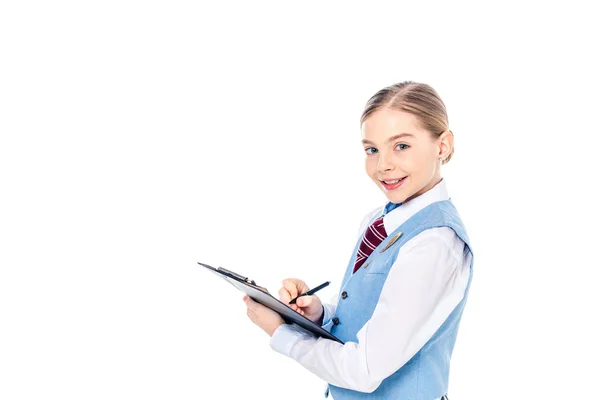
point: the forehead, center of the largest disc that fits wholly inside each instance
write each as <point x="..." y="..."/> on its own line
<point x="385" y="122"/>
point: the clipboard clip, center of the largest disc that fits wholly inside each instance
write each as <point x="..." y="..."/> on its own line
<point x="233" y="275"/>
<point x="237" y="276"/>
<point x="242" y="278"/>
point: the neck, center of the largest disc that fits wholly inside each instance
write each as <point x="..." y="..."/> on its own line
<point x="427" y="188"/>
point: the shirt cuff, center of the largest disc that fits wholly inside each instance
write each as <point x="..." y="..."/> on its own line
<point x="328" y="314"/>
<point x="285" y="338"/>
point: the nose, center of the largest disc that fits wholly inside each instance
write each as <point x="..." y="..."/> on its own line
<point x="384" y="163"/>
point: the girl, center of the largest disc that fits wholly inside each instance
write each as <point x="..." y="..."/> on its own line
<point x="407" y="281"/>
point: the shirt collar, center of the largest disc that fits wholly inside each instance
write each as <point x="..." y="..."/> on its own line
<point x="396" y="214"/>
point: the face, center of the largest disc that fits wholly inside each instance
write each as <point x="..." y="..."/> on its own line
<point x="402" y="158"/>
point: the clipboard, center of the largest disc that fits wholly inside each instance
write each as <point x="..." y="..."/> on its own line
<point x="262" y="296"/>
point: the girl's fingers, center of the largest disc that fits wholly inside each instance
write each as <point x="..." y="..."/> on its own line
<point x="249" y="302"/>
<point x="291" y="288"/>
<point x="285" y="298"/>
<point x="304" y="301"/>
<point x="284" y="295"/>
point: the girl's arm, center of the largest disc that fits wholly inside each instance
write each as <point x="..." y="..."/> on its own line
<point x="424" y="285"/>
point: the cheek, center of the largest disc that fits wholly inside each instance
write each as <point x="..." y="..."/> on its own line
<point x="370" y="166"/>
<point x="420" y="164"/>
<point x="406" y="163"/>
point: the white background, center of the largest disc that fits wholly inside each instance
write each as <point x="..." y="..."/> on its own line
<point x="140" y="137"/>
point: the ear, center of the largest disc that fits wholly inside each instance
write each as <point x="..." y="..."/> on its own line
<point x="445" y="143"/>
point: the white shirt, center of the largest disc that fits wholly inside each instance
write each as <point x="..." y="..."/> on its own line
<point x="424" y="285"/>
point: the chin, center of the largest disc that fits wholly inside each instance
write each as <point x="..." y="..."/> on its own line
<point x="394" y="197"/>
<point x="397" y="199"/>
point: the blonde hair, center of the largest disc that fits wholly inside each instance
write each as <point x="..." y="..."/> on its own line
<point x="418" y="99"/>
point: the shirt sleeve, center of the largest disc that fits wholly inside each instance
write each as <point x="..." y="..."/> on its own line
<point x="423" y="287"/>
<point x="328" y="314"/>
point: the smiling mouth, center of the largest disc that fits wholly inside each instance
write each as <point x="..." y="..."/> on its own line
<point x="393" y="183"/>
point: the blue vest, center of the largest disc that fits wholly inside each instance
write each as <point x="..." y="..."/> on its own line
<point x="425" y="375"/>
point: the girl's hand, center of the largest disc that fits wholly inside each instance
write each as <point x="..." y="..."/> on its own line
<point x="309" y="306"/>
<point x="267" y="319"/>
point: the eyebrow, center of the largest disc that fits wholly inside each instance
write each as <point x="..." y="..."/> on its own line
<point x="395" y="137"/>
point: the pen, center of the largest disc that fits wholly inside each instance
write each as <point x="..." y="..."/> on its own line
<point x="311" y="291"/>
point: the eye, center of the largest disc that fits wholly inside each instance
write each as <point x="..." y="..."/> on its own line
<point x="371" y="150"/>
<point x="402" y="144"/>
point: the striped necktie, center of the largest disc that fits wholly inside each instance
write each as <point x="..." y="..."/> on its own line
<point x="372" y="237"/>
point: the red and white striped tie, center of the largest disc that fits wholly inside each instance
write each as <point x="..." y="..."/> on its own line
<point x="372" y="238"/>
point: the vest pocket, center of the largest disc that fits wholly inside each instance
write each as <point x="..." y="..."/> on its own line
<point x="380" y="265"/>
